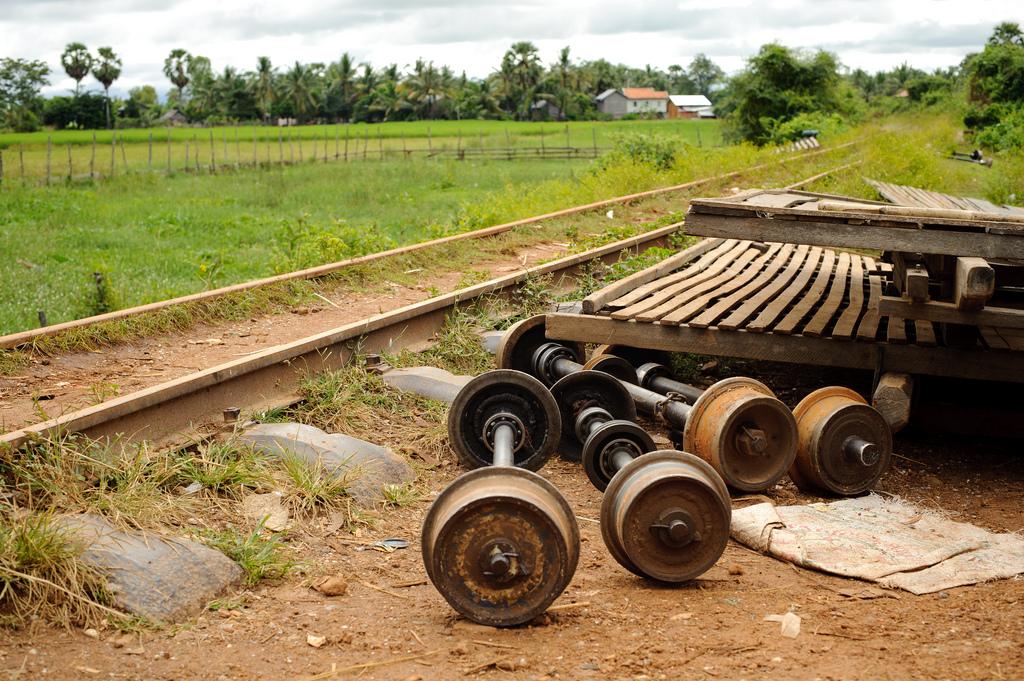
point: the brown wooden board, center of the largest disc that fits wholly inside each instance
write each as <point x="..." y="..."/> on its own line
<point x="912" y="359"/>
<point x="810" y="299"/>
<point x="938" y="311"/>
<point x="867" y="330"/>
<point x="722" y="250"/>
<point x="723" y="276"/>
<point x="821" y="318"/>
<point x="769" y="284"/>
<point x="735" y="282"/>
<point x="851" y="313"/>
<point x="780" y="303"/>
<point x="869" y="234"/>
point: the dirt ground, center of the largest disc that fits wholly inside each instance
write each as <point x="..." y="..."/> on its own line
<point x="620" y="627"/>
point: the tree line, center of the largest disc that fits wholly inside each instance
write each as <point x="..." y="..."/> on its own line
<point x="344" y="90"/>
<point x="778" y="95"/>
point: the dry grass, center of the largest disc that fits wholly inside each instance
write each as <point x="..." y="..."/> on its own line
<point x="42" y="574"/>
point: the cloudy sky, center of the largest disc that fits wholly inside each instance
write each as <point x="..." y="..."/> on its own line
<point x="471" y="35"/>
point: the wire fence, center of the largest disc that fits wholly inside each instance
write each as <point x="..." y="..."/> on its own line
<point x="206" y="152"/>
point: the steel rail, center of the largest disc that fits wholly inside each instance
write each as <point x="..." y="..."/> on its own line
<point x="166" y="413"/>
<point x="24" y="338"/>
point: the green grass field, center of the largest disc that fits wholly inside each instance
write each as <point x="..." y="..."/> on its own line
<point x="73" y="154"/>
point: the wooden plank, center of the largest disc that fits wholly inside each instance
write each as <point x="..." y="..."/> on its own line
<point x="810" y="299"/>
<point x="924" y="334"/>
<point x="770" y="288"/>
<point x="770" y="313"/>
<point x="892" y="398"/>
<point x="974" y="282"/>
<point x="748" y="283"/>
<point x="1013" y="337"/>
<point x="911" y="359"/>
<point x="704" y="273"/>
<point x="939" y="311"/>
<point x="864" y="236"/>
<point x="851" y="313"/>
<point x="726" y="285"/>
<point x="597" y="300"/>
<point x="705" y="261"/>
<point x="722" y="277"/>
<point x="821" y="318"/>
<point x="896" y="331"/>
<point x="962" y="218"/>
<point x="868" y="328"/>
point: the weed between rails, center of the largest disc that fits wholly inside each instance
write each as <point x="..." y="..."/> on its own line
<point x="260" y="555"/>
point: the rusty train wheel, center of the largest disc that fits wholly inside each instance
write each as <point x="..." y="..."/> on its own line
<point x="522" y="339"/>
<point x="500" y="544"/>
<point x="614" y="366"/>
<point x="577" y="391"/>
<point x="665" y="516"/>
<point x="597" y="461"/>
<point x="745" y="432"/>
<point x="844" y="445"/>
<point x="511" y="392"/>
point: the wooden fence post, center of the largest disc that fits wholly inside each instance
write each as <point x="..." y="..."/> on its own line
<point x="594" y="131"/>
<point x="113" y="151"/>
<point x="1" y="169"/>
<point x="150" y="150"/>
<point x="238" y="148"/>
<point x="124" y="156"/>
<point x="366" y="142"/>
<point x="280" y="146"/>
<point x="92" y="158"/>
<point x="299" y="141"/>
<point x="186" y="156"/>
<point x="195" y="145"/>
<point x="213" y="157"/>
<point x="346" y="142"/>
<point x="21" y="162"/>
<point x="430" y="145"/>
<point x="291" y="149"/>
<point x="458" y="145"/>
<point x="543" y="151"/>
<point x="568" y="144"/>
<point x="337" y="134"/>
<point x="326" y="140"/>
<point x="168" y="150"/>
<point x="70" y="168"/>
<point x="49" y="149"/>
<point x="380" y="143"/>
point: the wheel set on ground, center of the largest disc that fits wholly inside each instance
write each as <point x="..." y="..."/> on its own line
<point x="501" y="543"/>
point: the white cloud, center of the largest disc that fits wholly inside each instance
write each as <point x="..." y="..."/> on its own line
<point x="472" y="35"/>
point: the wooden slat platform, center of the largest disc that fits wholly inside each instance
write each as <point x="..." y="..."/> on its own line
<point x="786" y="302"/>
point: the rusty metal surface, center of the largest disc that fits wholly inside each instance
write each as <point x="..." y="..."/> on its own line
<point x="745" y="432"/>
<point x="165" y="413"/>
<point x="501" y="392"/>
<point x="514" y="512"/>
<point x="666" y="516"/>
<point x="831" y="422"/>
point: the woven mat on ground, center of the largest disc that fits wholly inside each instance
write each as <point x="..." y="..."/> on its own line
<point x="888" y="541"/>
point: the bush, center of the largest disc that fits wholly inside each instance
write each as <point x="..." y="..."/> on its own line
<point x="825" y="124"/>
<point x="656" y="151"/>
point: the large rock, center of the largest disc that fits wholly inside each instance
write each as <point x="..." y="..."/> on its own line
<point x="371" y="466"/>
<point x="162" y="579"/>
<point x="426" y="381"/>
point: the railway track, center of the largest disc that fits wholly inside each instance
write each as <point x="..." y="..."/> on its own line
<point x="33" y="336"/>
<point x="180" y="410"/>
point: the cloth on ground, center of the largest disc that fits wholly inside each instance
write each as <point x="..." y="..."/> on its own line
<point x="888" y="541"/>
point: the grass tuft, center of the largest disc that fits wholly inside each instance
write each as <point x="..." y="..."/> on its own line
<point x="261" y="557"/>
<point x="42" y="574"/>
<point x="314" y="487"/>
<point x="12" y="362"/>
<point x="225" y="468"/>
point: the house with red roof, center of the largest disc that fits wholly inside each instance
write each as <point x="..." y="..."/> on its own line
<point x="641" y="101"/>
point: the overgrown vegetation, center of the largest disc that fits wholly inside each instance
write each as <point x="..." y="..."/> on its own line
<point x="996" y="90"/>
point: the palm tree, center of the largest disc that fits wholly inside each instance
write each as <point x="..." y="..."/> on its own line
<point x="263" y="86"/>
<point x="106" y="70"/>
<point x="565" y="78"/>
<point x="525" y="74"/>
<point x="341" y="85"/>
<point x="426" y="88"/>
<point x="176" y="68"/>
<point x="299" y="86"/>
<point x="77" y="62"/>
